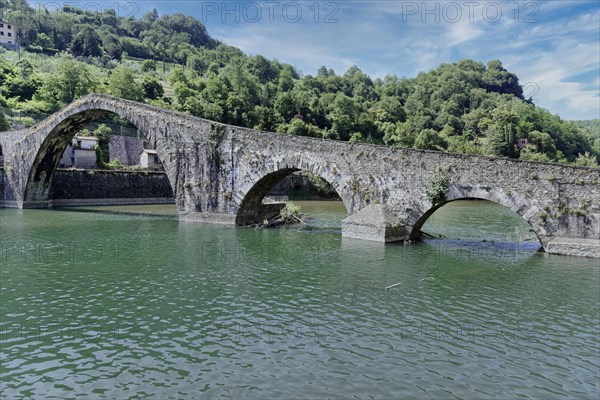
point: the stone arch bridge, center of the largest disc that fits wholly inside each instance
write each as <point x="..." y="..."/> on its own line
<point x="220" y="174"/>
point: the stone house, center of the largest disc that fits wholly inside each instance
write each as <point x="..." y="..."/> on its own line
<point x="80" y="153"/>
<point x="522" y="142"/>
<point x="149" y="159"/>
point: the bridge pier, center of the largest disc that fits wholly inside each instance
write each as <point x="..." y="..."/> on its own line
<point x="207" y="218"/>
<point x="573" y="247"/>
<point x="247" y="217"/>
<point x="376" y="222"/>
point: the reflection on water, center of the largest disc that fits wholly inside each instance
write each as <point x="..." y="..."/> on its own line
<point x="104" y="305"/>
<point x="165" y="210"/>
<point x="479" y="220"/>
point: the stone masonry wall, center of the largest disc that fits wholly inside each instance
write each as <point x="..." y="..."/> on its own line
<point x="557" y="200"/>
<point x="92" y="184"/>
<point x="125" y="149"/>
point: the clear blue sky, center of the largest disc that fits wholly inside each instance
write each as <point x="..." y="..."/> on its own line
<point x="552" y="45"/>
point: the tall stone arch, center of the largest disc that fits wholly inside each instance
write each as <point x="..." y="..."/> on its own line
<point x="39" y="153"/>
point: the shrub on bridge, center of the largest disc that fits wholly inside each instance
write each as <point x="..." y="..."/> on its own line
<point x="437" y="192"/>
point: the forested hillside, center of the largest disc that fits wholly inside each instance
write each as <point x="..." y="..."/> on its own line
<point x="171" y="61"/>
<point x="591" y="126"/>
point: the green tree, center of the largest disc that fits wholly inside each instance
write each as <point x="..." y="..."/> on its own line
<point x="87" y="43"/>
<point x="121" y="83"/>
<point x="462" y="144"/>
<point x="4" y="126"/>
<point x="21" y="88"/>
<point x="262" y="68"/>
<point x="103" y="133"/>
<point x="543" y="142"/>
<point x="504" y="138"/>
<point x="200" y="107"/>
<point x="267" y="120"/>
<point x="71" y="80"/>
<point x="431" y="140"/>
<point x="497" y="79"/>
<point x="197" y="63"/>
<point x="112" y="46"/>
<point x="7" y="70"/>
<point x="190" y="27"/>
<point x="586" y="160"/>
<point x="62" y="31"/>
<point x="137" y="48"/>
<point x="401" y="135"/>
<point x="286" y="81"/>
<point x="323" y="72"/>
<point x="109" y="17"/>
<point x="344" y="112"/>
<point x="497" y="144"/>
<point x="151" y="17"/>
<point x="44" y="41"/>
<point x="530" y="153"/>
<point x="152" y="88"/>
<point x="25" y="68"/>
<point x="297" y="127"/>
<point x="148" y="65"/>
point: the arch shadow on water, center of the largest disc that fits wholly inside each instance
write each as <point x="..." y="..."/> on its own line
<point x="517" y="203"/>
<point x="477" y="226"/>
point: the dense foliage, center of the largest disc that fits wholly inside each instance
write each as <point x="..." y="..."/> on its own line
<point x="466" y="107"/>
<point x="104" y="34"/>
<point x="3" y="123"/>
<point x="592" y="128"/>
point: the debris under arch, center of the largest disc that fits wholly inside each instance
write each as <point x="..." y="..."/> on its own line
<point x="289" y="215"/>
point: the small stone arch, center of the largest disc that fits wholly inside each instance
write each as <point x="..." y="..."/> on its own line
<point x="54" y="136"/>
<point x="249" y="196"/>
<point x="514" y="201"/>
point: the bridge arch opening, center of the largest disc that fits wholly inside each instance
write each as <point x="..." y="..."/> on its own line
<point x="476" y="219"/>
<point x="81" y="144"/>
<point x="265" y="197"/>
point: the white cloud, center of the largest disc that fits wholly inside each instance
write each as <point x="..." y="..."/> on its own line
<point x="583" y="25"/>
<point x="462" y="32"/>
<point x="287" y="45"/>
<point x="559" y="57"/>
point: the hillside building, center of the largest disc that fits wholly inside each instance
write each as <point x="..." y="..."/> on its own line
<point x="8" y="34"/>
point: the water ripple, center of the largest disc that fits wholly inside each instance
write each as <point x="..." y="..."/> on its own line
<point x="148" y="308"/>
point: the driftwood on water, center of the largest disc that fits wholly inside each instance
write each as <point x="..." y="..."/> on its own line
<point x="280" y="220"/>
<point x="289" y="214"/>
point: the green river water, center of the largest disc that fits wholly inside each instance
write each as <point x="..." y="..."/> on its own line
<point x="103" y="303"/>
